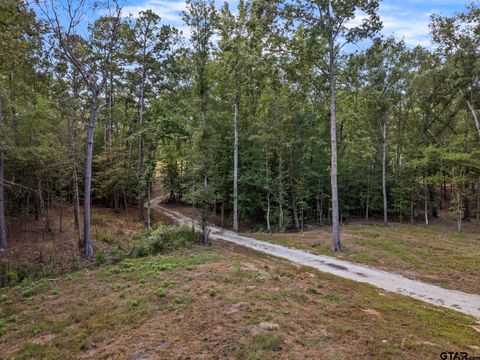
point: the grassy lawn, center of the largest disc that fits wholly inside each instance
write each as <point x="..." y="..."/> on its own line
<point x="435" y="254"/>
<point x="220" y="302"/>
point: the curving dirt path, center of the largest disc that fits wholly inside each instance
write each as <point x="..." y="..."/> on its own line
<point x="465" y="303"/>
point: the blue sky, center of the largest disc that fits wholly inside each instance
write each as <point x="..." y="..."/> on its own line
<point x="405" y="19"/>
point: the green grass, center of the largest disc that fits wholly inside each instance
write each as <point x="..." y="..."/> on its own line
<point x="102" y="313"/>
<point x="435" y="254"/>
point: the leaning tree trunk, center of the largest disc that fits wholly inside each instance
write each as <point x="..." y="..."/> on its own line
<point x="384" y="173"/>
<point x="88" y="245"/>
<point x="475" y="117"/>
<point x="333" y="135"/>
<point x="3" y="225"/>
<point x="235" y="169"/>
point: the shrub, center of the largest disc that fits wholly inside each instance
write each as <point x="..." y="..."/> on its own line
<point x="101" y="257"/>
<point x="131" y="303"/>
<point x="161" y="292"/>
<point x="165" y="239"/>
<point x="177" y="301"/>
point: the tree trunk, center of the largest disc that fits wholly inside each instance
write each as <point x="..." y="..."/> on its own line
<point x="412" y="210"/>
<point x="222" y="214"/>
<point x="292" y="189"/>
<point x="235" y="169"/>
<point x="269" y="227"/>
<point x="466" y="208"/>
<point x="319" y="210"/>
<point x="426" y="204"/>
<point x="149" y="210"/>
<point x="295" y="211"/>
<point x="87" y="240"/>
<point x="477" y="222"/>
<point x="475" y="118"/>
<point x="459" y="211"/>
<point x="333" y="135"/>
<point x="13" y="112"/>
<point x="445" y="189"/>
<point x="141" y="190"/>
<point x="280" y="194"/>
<point x="3" y="225"/>
<point x="384" y="173"/>
<point x="76" y="192"/>
<point x="43" y="214"/>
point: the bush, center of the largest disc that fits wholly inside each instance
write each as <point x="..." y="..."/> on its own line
<point x="165" y="239"/>
<point x="100" y="257"/>
<point x="161" y="292"/>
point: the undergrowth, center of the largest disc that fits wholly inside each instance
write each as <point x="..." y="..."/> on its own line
<point x="165" y="239"/>
<point x="162" y="239"/>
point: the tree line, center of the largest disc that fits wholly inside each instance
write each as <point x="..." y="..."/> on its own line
<point x="275" y="113"/>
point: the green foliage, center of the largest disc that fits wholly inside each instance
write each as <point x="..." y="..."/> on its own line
<point x="100" y="257"/>
<point x="132" y="303"/>
<point x="161" y="292"/>
<point x="165" y="239"/>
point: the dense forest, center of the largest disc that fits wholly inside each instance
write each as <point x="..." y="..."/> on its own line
<point x="275" y="114"/>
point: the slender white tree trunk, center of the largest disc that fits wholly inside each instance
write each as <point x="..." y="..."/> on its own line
<point x="478" y="203"/>
<point x="459" y="210"/>
<point x="88" y="177"/>
<point x="384" y="173"/>
<point x="426" y="204"/>
<point x="141" y="190"/>
<point x="269" y="227"/>
<point x="149" y="210"/>
<point x="333" y="135"/>
<point x="235" y="169"/>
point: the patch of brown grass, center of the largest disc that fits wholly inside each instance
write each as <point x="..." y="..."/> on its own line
<point x="221" y="302"/>
<point x="435" y="254"/>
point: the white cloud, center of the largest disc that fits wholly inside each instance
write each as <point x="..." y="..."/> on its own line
<point x="410" y="19"/>
<point x="169" y="11"/>
<point x="413" y="29"/>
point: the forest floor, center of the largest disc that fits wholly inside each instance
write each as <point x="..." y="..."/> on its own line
<point x="221" y="301"/>
<point x="32" y="253"/>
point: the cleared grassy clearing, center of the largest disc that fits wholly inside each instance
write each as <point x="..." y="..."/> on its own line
<point x="221" y="302"/>
<point x="434" y="254"/>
